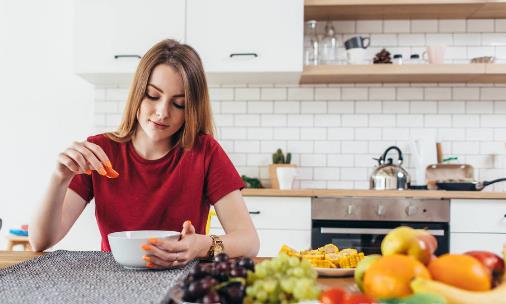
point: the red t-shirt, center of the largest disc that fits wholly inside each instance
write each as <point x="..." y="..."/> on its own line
<point x="157" y="194"/>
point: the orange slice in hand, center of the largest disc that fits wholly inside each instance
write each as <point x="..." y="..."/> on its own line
<point x="111" y="173"/>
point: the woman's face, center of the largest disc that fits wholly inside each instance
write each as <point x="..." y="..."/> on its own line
<point x="161" y="113"/>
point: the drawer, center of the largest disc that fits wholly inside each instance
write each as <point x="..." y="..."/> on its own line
<point x="285" y="213"/>
<point x="487" y="216"/>
<point x="272" y="240"/>
<point x="462" y="242"/>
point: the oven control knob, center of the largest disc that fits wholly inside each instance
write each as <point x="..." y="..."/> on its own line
<point x="412" y="210"/>
<point x="381" y="210"/>
<point x="349" y="210"/>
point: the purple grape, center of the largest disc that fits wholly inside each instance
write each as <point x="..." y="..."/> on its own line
<point x="246" y="263"/>
<point x="238" y="272"/>
<point x="211" y="297"/>
<point x="196" y="290"/>
<point x="221" y="257"/>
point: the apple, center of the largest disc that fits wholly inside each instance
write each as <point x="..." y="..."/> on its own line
<point x="362" y="267"/>
<point x="491" y="261"/>
<point x="414" y="242"/>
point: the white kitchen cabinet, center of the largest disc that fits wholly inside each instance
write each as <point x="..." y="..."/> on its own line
<point x="247" y="41"/>
<point x="462" y="242"/>
<point x="477" y="225"/>
<point x="278" y="220"/>
<point x="112" y="35"/>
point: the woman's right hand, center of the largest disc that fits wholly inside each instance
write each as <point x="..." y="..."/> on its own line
<point x="82" y="157"/>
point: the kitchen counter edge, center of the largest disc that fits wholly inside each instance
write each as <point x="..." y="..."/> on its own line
<point x="375" y="193"/>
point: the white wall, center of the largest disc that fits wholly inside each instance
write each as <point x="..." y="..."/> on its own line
<point x="43" y="108"/>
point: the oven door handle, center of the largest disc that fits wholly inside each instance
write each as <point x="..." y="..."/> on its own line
<point x="377" y="231"/>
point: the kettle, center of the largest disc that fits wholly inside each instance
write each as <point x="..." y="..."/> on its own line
<point x="389" y="176"/>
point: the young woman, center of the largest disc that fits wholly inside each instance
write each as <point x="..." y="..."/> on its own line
<point x="170" y="167"/>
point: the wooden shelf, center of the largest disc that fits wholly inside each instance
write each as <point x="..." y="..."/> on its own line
<point x="403" y="9"/>
<point x="404" y="73"/>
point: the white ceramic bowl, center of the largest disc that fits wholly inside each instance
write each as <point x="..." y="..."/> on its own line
<point x="126" y="245"/>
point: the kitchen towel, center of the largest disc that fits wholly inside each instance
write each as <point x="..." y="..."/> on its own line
<point x="84" y="277"/>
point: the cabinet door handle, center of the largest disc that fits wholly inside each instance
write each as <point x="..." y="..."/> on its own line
<point x="254" y="212"/>
<point x="243" y="54"/>
<point x="127" y="56"/>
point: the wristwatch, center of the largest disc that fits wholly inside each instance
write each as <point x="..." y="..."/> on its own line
<point x="216" y="246"/>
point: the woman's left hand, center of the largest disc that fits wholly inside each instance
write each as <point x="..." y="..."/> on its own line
<point x="167" y="253"/>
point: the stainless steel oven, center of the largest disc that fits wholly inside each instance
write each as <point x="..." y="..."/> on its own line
<point x="362" y="223"/>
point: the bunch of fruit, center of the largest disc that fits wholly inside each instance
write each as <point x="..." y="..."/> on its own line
<point x="222" y="281"/>
<point x="283" y="279"/>
<point x="408" y="270"/>
<point x="328" y="256"/>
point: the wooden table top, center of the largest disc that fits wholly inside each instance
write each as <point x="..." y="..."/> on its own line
<point x="9" y="258"/>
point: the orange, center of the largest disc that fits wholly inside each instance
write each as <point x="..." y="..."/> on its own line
<point x="390" y="276"/>
<point x="462" y="271"/>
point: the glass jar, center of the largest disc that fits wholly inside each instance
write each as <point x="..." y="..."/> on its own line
<point x="328" y="45"/>
<point x="415" y="59"/>
<point x="397" y="59"/>
<point x="311" y="44"/>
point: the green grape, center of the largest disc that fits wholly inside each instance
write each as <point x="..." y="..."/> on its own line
<point x="270" y="286"/>
<point x="262" y="295"/>
<point x="298" y="272"/>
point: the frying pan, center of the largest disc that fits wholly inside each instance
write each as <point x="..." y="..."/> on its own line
<point x="466" y="186"/>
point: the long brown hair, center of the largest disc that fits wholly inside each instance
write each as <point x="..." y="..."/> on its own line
<point x="186" y="61"/>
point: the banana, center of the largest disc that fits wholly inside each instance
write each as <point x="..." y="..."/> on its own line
<point x="454" y="295"/>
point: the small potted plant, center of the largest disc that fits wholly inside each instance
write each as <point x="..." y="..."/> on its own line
<point x="278" y="160"/>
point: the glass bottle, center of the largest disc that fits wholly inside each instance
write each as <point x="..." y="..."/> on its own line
<point x="311" y="44"/>
<point x="328" y="45"/>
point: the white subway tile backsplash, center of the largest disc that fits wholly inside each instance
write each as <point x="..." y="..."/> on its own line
<point x="368" y="107"/>
<point x="438" y="93"/>
<point x="247" y="146"/>
<point x="423" y="107"/>
<point x="273" y="93"/>
<point x="493" y="93"/>
<point x="260" y="133"/>
<point x="300" y="93"/>
<point x="409" y="120"/>
<point x="260" y="107"/>
<point x="313" y="160"/>
<point x="300" y="146"/>
<point x="382" y="120"/>
<point x="480" y="25"/>
<point x="424" y="26"/>
<point x="326" y="173"/>
<point x="466" y="121"/>
<point x="334" y="130"/>
<point x="313" y="107"/>
<point x="467" y="39"/>
<point x="395" y="107"/>
<point x="247" y="93"/>
<point x="367" y="133"/>
<point x="409" y="94"/>
<point x="340" y="133"/>
<point x="286" y="107"/>
<point x="480" y="107"/>
<point x="286" y="133"/>
<point x="273" y="120"/>
<point x="358" y="120"/>
<point x="247" y="120"/>
<point x="453" y="25"/>
<point x="359" y="93"/>
<point x="411" y="40"/>
<point x="327" y="120"/>
<point x="304" y="120"/>
<point x="454" y="107"/>
<point x="357" y="147"/>
<point x="327" y="147"/>
<point x="221" y="94"/>
<point x="233" y="107"/>
<point x="396" y="26"/>
<point x="313" y="134"/>
<point x="369" y="26"/>
<point x="341" y="107"/>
